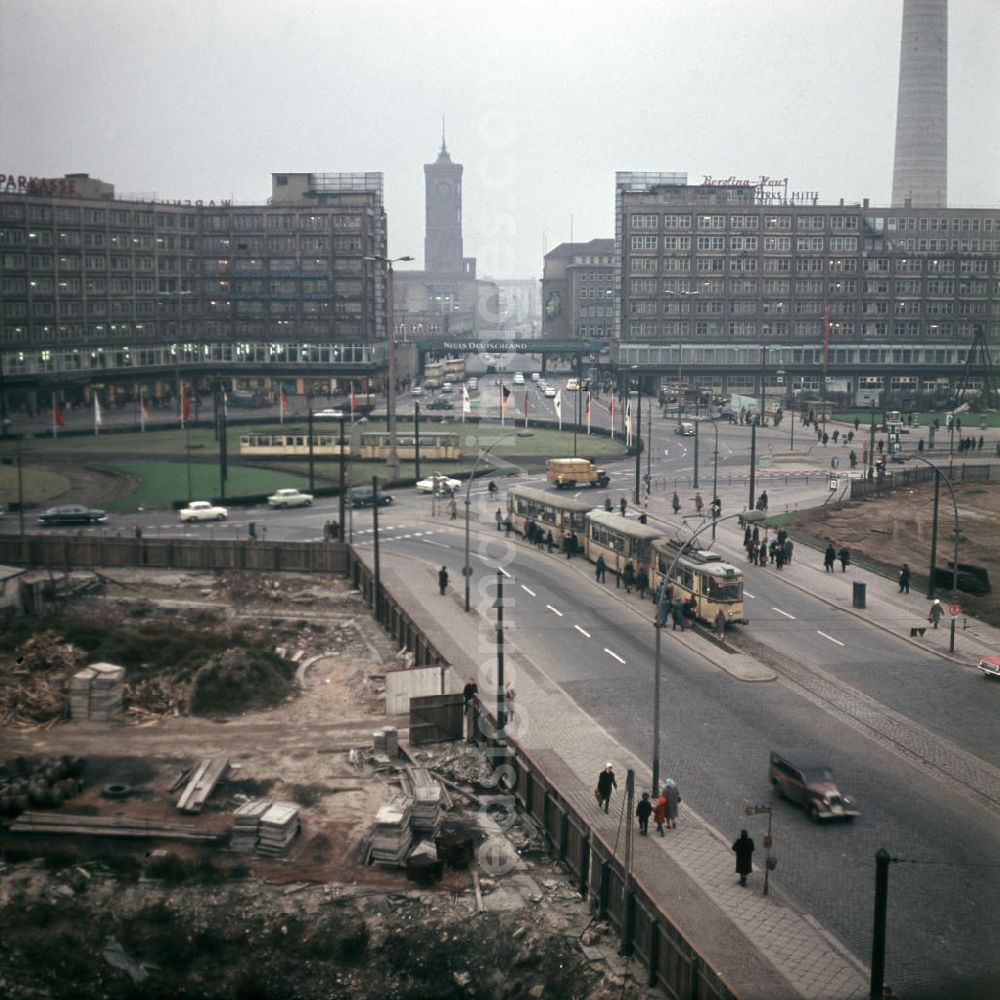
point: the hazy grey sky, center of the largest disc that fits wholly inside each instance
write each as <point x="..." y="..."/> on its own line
<point x="544" y="101"/>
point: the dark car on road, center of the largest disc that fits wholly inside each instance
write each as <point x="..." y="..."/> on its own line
<point x="364" y="496"/>
<point x="440" y="404"/>
<point x="802" y="777"/>
<point x="72" y="514"/>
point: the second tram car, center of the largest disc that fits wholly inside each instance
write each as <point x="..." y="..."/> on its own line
<point x="620" y="540"/>
<point x="292" y="442"/>
<point x="433" y="445"/>
<point x="714" y="584"/>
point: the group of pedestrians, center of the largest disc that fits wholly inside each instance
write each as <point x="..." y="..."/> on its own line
<point x="970" y="444"/>
<point x="831" y="555"/>
<point x="776" y="550"/>
<point x="537" y="535"/>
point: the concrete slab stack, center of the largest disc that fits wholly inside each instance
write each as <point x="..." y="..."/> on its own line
<point x="392" y="838"/>
<point x="246" y="825"/>
<point x="279" y="826"/>
<point x="96" y="692"/>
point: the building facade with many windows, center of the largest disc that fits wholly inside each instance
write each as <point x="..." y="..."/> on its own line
<point x="735" y="280"/>
<point x="578" y="291"/>
<point x="130" y="293"/>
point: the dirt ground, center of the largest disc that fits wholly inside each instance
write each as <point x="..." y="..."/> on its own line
<point x="90" y="916"/>
<point x="884" y="532"/>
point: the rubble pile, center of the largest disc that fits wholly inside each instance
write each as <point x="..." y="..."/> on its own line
<point x="33" y="691"/>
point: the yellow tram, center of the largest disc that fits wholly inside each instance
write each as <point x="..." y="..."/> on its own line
<point x="433" y="445"/>
<point x="715" y="585"/>
<point x="620" y="540"/>
<point x="555" y="511"/>
<point x="292" y="442"/>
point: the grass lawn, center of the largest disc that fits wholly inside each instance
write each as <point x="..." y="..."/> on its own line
<point x="156" y="460"/>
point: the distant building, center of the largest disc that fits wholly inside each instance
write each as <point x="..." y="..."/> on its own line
<point x="578" y="291"/>
<point x="920" y="171"/>
<point x="140" y="294"/>
<point x="445" y="299"/>
<point x="740" y="284"/>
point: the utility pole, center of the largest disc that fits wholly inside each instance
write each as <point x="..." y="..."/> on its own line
<point x="753" y="464"/>
<point x="696" y="424"/>
<point x="312" y="470"/>
<point x="638" y="439"/>
<point x="376" y="596"/>
<point x="501" y="712"/>
<point x="341" y="498"/>
<point x="628" y="906"/>
<point x="876" y="985"/>
<point x="934" y="528"/>
<point x="416" y="441"/>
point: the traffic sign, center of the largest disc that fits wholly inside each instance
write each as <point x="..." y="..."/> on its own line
<point x="954" y="610"/>
<point x="834" y="463"/>
<point x="466" y="571"/>
<point x="754" y="810"/>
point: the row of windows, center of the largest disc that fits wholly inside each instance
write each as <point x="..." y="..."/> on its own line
<point x="839" y="265"/>
<point x="807" y="307"/>
<point x="969" y="287"/>
<point x="17" y="211"/>
<point x="911" y="329"/>
<point x="682" y="355"/>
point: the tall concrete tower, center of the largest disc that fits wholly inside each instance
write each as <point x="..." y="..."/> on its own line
<point x="920" y="173"/>
<point x="443" y="220"/>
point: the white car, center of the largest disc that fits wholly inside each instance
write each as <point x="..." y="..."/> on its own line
<point x="549" y="392"/>
<point x="446" y="387"/>
<point x="202" y="510"/>
<point x="535" y="376"/>
<point x="331" y="413"/>
<point x="439" y="484"/>
<point x="518" y="378"/>
<point x="289" y="498"/>
<point x="417" y="390"/>
<point x="473" y="384"/>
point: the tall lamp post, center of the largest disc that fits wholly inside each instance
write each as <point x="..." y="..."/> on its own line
<point x="791" y="406"/>
<point x="749" y="516"/>
<point x="467" y="568"/>
<point x="392" y="463"/>
<point x="715" y="472"/>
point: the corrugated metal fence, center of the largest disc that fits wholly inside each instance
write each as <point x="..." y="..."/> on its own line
<point x="898" y="479"/>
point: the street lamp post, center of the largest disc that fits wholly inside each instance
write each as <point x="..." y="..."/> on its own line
<point x="791" y="406"/>
<point x="750" y="516"/>
<point x="467" y="568"/>
<point x="715" y="473"/>
<point x="392" y="463"/>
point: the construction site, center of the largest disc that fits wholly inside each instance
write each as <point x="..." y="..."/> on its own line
<point x="202" y="795"/>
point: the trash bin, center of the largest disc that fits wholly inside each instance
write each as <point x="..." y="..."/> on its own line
<point x="859" y="594"/>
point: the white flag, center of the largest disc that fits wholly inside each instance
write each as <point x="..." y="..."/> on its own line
<point x="628" y="422"/>
<point x="97" y="413"/>
<point x="558" y="406"/>
<point x="466" y="402"/>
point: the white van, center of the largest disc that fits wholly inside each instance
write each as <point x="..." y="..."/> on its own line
<point x="685" y="429"/>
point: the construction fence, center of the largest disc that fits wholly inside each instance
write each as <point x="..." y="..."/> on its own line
<point x="899" y="479"/>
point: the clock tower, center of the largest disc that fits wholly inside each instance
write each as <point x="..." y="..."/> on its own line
<point x="443" y="224"/>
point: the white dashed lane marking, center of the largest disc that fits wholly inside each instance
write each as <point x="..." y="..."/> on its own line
<point x="528" y="590"/>
<point x="554" y="611"/>
<point x="582" y="631"/>
<point x="746" y="593"/>
<point x="785" y="613"/>
<point x="614" y="655"/>
<point x="830" y="637"/>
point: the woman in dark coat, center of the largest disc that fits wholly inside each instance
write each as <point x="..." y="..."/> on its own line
<point x="672" y="798"/>
<point x="744" y="848"/>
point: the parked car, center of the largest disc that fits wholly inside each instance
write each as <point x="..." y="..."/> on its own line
<point x="289" y="498"/>
<point x="72" y="514"/>
<point x="990" y="665"/>
<point x="802" y="777"/>
<point x="440" y="404"/>
<point x="333" y="413"/>
<point x="202" y="510"/>
<point x="440" y="484"/>
<point x="364" y="496"/>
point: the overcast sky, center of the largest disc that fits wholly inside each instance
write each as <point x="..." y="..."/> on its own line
<point x="544" y="101"/>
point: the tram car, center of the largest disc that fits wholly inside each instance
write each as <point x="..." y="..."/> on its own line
<point x="433" y="445"/>
<point x="555" y="511"/>
<point x="292" y="442"/>
<point x="620" y="540"/>
<point x="714" y="584"/>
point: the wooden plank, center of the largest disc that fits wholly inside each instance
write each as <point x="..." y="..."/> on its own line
<point x="479" y="895"/>
<point x="202" y="784"/>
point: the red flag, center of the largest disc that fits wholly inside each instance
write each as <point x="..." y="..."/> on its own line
<point x="57" y="417"/>
<point x="185" y="406"/>
<point x="611" y="410"/>
<point x="504" y="396"/>
<point x="144" y="409"/>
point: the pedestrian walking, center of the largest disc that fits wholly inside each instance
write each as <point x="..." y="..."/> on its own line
<point x="138" y="531"/>
<point x="829" y="557"/>
<point x="642" y="583"/>
<point x="508" y="527"/>
<point x="442" y="579"/>
<point x="720" y="625"/>
<point x="660" y="814"/>
<point x="498" y="516"/>
<point x="904" y="579"/>
<point x="747" y="536"/>
<point x="453" y="507"/>
<point x="844" y="555"/>
<point x="672" y="798"/>
<point x="779" y="556"/>
<point x="600" y="569"/>
<point x="762" y="502"/>
<point x="605" y="783"/>
<point x="623" y="506"/>
<point x="677" y="616"/>
<point x="762" y="553"/>
<point x="699" y="503"/>
<point x="607" y="504"/>
<point x="743" y="847"/>
<point x="936" y="613"/>
<point x="787" y="549"/>
<point x="628" y="577"/>
<point x="550" y="542"/>
<point x="643" y="811"/>
<point x="676" y="502"/>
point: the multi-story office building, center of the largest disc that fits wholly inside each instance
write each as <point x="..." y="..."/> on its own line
<point x="727" y="283"/>
<point x="578" y="291"/>
<point x="130" y="294"/>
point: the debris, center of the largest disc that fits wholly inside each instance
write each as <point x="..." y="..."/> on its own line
<point x="114" y="954"/>
<point x="202" y="784"/>
<point x="106" y="826"/>
<point x="479" y="894"/>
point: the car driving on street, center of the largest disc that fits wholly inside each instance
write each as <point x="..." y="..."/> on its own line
<point x="364" y="496"/>
<point x="439" y="484"/>
<point x="281" y="499"/>
<point x="802" y="777"/>
<point x="202" y="510"/>
<point x="72" y="514"/>
<point x="440" y="404"/>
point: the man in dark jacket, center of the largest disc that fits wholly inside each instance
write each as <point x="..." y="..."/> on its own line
<point x="442" y="579"/>
<point x="829" y="557"/>
<point x="605" y="783"/>
<point x="744" y="848"/>
<point x="643" y="811"/>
